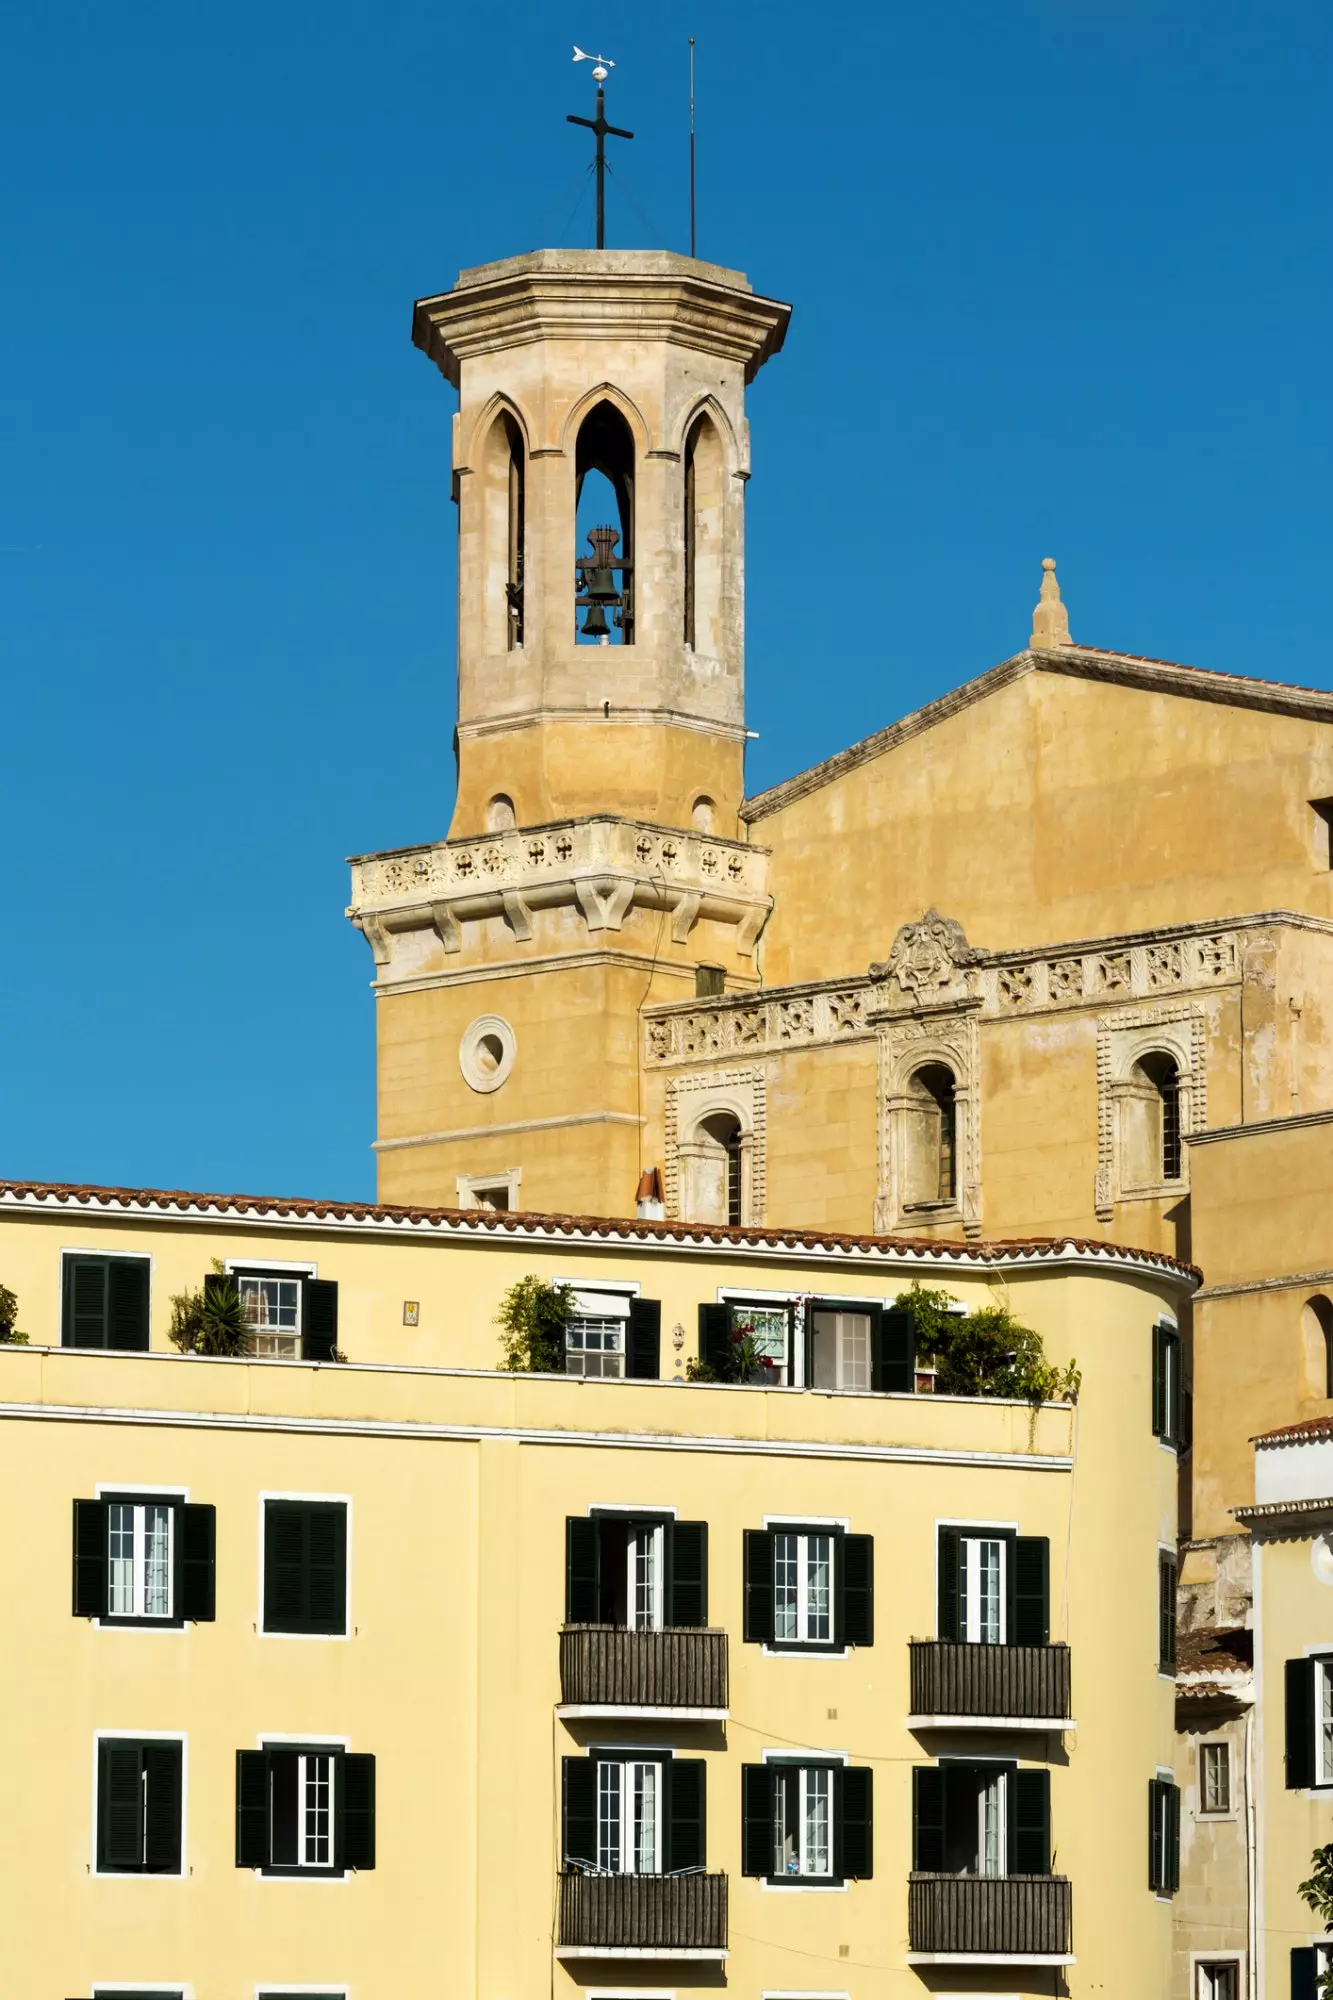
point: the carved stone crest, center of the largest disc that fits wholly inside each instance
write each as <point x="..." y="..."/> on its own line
<point x="928" y="956"/>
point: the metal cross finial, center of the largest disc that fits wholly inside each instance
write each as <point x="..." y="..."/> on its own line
<point x="601" y="64"/>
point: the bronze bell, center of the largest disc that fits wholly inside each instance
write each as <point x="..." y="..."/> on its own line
<point x="595" y="625"/>
<point x="599" y="578"/>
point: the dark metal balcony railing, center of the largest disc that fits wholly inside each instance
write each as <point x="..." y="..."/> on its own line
<point x="1011" y="1914"/>
<point x="644" y="1912"/>
<point x="1020" y="1681"/>
<point x="678" y="1668"/>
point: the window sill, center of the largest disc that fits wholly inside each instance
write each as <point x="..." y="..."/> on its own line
<point x="984" y="1958"/>
<point x="1161" y="1191"/>
<point x="599" y="1711"/>
<point x="627" y="1951"/>
<point x="301" y="1874"/>
<point x="772" y="1651"/>
<point x="1042" y="1724"/>
<point x="787" y="1885"/>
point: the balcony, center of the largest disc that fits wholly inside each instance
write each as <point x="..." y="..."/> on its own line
<point x="956" y="1686"/>
<point x="989" y="1920"/>
<point x="643" y="1916"/>
<point x="679" y="1673"/>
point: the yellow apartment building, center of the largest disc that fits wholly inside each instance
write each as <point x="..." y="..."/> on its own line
<point x="401" y="1674"/>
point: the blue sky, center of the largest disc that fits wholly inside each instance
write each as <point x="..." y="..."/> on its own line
<point x="1061" y="277"/>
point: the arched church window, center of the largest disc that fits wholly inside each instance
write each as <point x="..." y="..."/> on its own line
<point x="931" y="1164"/>
<point x="1317" y="1345"/>
<point x="716" y="1177"/>
<point x="1157" y="1077"/>
<point x="703" y="536"/>
<point x="515" y="524"/>
<point x="503" y="499"/>
<point x="604" y="517"/>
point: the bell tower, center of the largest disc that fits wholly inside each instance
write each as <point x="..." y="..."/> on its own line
<point x="595" y="862"/>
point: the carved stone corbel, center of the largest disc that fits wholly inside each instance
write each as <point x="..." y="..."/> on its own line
<point x="517" y="915"/>
<point x="446" y="926"/>
<point x="375" y="936"/>
<point x="685" y="915"/>
<point x="604" y="903"/>
<point x="749" y="927"/>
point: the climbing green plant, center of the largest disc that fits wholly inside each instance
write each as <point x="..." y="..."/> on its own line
<point x="1317" y="1892"/>
<point x="9" y="1312"/>
<point x="533" y="1318"/>
<point x="984" y="1353"/>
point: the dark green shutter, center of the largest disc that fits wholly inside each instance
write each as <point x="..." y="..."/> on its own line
<point x="582" y="1588"/>
<point x="715" y="1341"/>
<point x="319" y="1337"/>
<point x="757" y="1856"/>
<point x="305" y="1566"/>
<point x="687" y="1573"/>
<point x="83" y="1321"/>
<point x="1172" y="1839"/>
<point x="1030" y="1616"/>
<point x="643" y="1340"/>
<point x="162" y="1808"/>
<point x="855" y="1829"/>
<point x="949" y="1624"/>
<point x="896" y="1368"/>
<point x="284" y="1566"/>
<point x="758" y="1626"/>
<point x="1304" y="1973"/>
<point x="1163" y="1836"/>
<point x="1030" y="1823"/>
<point x="90" y="1559"/>
<point x="928" y="1819"/>
<point x="119" y="1804"/>
<point x="196" y="1529"/>
<point x="326" y="1566"/>
<point x="1159" y="1424"/>
<point x="858" y="1589"/>
<point x="1300" y="1732"/>
<point x="579" y="1811"/>
<point x="1166" y="1614"/>
<point x="252" y="1837"/>
<point x="684" y="1778"/>
<point x="1166" y="1385"/>
<point x="357" y="1775"/>
<point x="127" y="1303"/>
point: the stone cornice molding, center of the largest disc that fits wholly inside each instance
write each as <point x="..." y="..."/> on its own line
<point x="1149" y="967"/>
<point x="1077" y="662"/>
<point x="628" y="295"/>
<point x="601" y="866"/>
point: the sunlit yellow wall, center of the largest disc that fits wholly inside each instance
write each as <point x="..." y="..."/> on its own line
<point x="460" y="1484"/>
<point x="1294" y="1614"/>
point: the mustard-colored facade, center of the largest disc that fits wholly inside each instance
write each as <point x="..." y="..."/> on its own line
<point x="458" y="1480"/>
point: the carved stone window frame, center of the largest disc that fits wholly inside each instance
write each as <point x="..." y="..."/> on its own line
<point x="738" y="1093"/>
<point x="1123" y="1039"/>
<point x="472" y="1188"/>
<point x="952" y="1037"/>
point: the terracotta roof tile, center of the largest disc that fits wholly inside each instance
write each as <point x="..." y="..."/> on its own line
<point x="521" y="1222"/>
<point x="1215" y="1652"/>
<point x="1313" y="1427"/>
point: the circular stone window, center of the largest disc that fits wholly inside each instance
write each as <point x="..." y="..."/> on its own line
<point x="486" y="1052"/>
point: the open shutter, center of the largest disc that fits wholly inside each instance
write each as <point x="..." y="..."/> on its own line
<point x="684" y="1778"/>
<point x="119" y="1804"/>
<point x="1304" y="1973"/>
<point x="949" y="1624"/>
<point x="90" y="1575"/>
<point x="580" y="1812"/>
<point x="1166" y="1614"/>
<point x="358" y="1810"/>
<point x="1029" y="1822"/>
<point x="1159" y="1421"/>
<point x="896" y="1360"/>
<point x="582" y="1592"/>
<point x="320" y="1337"/>
<point x="928" y="1819"/>
<point x="84" y="1316"/>
<point x="855" y="1829"/>
<point x="252" y="1836"/>
<point x="1300" y="1680"/>
<point x="757" y="1855"/>
<point x="687" y="1574"/>
<point x="643" y="1340"/>
<point x="715" y="1340"/>
<point x="196" y="1527"/>
<point x="326" y="1566"/>
<point x="127" y="1303"/>
<point x="758" y="1628"/>
<point x="1157" y="1831"/>
<point x="1030" y="1613"/>
<point x="162" y="1808"/>
<point x="1172" y="1882"/>
<point x="858" y="1590"/>
<point x="284" y="1566"/>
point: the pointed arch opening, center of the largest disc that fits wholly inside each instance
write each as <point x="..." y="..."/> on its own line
<point x="1317" y="1346"/>
<point x="705" y="472"/>
<point x="604" y="529"/>
<point x="504" y="505"/>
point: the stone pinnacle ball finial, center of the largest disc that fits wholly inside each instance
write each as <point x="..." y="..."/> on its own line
<point x="1050" y="620"/>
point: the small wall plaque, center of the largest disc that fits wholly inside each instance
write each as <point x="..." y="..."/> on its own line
<point x="411" y="1312"/>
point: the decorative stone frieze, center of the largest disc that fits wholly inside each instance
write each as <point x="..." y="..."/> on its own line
<point x="599" y="866"/>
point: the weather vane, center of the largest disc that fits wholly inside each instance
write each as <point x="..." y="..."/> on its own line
<point x="601" y="66"/>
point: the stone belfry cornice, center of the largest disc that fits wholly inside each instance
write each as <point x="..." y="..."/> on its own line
<point x="603" y="295"/>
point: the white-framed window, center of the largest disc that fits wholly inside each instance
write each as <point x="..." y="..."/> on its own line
<point x="140" y="1558"/>
<point x="645" y="1580"/>
<point x="1215" y="1777"/>
<point x="303" y="1820"/>
<point x="802" y="1587"/>
<point x="271" y="1302"/>
<point x="981" y="1588"/>
<point x="595" y="1336"/>
<point x="841" y="1355"/>
<point x="803" y="1820"/>
<point x="1217" y="1979"/>
<point x="1323" y="1721"/>
<point x="629" y="1816"/>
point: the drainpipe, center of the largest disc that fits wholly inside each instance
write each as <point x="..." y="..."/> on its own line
<point x="1251" y="1863"/>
